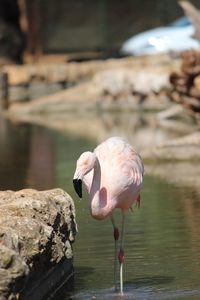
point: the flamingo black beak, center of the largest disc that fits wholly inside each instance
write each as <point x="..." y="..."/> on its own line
<point x="78" y="186"/>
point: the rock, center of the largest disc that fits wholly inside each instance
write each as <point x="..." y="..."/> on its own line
<point x="126" y="88"/>
<point x="66" y="100"/>
<point x="108" y="84"/>
<point x="76" y="72"/>
<point x="126" y="80"/>
<point x="122" y="88"/>
<point x="36" y="233"/>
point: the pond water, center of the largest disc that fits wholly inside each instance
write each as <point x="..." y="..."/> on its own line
<point x="162" y="238"/>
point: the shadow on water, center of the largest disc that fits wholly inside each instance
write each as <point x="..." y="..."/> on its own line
<point x="80" y="276"/>
<point x="150" y="288"/>
<point x="139" y="289"/>
<point x="71" y="286"/>
<point x="130" y="292"/>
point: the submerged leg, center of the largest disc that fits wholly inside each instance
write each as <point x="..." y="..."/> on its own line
<point x="116" y="238"/>
<point x="121" y="255"/>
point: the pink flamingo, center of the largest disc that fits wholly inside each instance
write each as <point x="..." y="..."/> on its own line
<point x="113" y="176"/>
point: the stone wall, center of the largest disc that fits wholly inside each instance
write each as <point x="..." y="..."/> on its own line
<point x="37" y="230"/>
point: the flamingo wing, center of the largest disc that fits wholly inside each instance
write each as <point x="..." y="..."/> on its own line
<point x="121" y="166"/>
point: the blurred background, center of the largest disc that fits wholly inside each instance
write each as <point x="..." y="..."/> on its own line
<point x="59" y="27"/>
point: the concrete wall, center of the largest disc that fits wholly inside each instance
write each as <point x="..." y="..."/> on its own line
<point x="60" y="26"/>
<point x="68" y="25"/>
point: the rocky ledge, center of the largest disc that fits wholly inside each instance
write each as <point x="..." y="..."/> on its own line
<point x="36" y="233"/>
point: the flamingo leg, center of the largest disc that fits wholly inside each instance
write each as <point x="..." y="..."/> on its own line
<point x="121" y="255"/>
<point x="116" y="238"/>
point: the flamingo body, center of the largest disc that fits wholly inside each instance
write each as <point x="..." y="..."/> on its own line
<point x="113" y="175"/>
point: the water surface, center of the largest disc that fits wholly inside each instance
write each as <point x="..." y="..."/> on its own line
<point x="162" y="238"/>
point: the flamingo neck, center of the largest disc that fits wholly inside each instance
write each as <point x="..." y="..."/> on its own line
<point x="100" y="205"/>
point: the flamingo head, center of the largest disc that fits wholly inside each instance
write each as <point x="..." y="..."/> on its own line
<point x="84" y="165"/>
